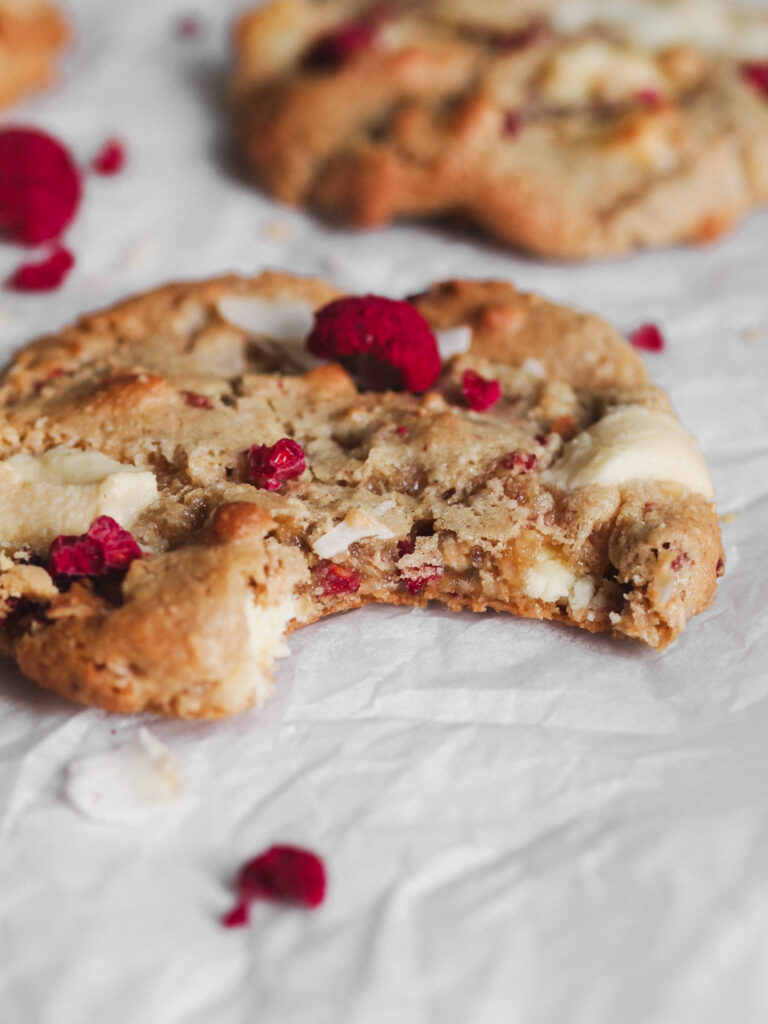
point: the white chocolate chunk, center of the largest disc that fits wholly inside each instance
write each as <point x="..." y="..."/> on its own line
<point x="552" y="580"/>
<point x="355" y="526"/>
<point x="632" y="443"/>
<point x="264" y="642"/>
<point x="63" y="490"/>
<point x="453" y="341"/>
<point x="127" y="784"/>
<point x="284" y="322"/>
<point x="594" y="70"/>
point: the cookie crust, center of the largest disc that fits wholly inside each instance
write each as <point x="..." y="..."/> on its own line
<point x="466" y="508"/>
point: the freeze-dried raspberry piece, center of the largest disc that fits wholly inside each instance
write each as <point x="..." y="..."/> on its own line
<point x="346" y="41"/>
<point x="648" y="97"/>
<point x="480" y="393"/>
<point x="196" y="400"/>
<point x="756" y="73"/>
<point x="415" y="584"/>
<point x="271" y="465"/>
<point x="523" y="462"/>
<point x="512" y="124"/>
<point x="336" y="579"/>
<point x="106" y="547"/>
<point x="43" y="276"/>
<point x="282" y="874"/>
<point x="386" y="330"/>
<point x="405" y="547"/>
<point x="111" y="158"/>
<point x="647" y="337"/>
<point x="40" y="186"/>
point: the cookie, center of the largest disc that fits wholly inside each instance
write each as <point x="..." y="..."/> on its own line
<point x="548" y="126"/>
<point x="32" y="34"/>
<point x="219" y="482"/>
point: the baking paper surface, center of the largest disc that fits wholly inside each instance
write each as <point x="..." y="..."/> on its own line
<point x="521" y="823"/>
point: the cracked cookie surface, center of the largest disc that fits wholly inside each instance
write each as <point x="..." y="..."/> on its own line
<point x="575" y="496"/>
<point x="571" y="130"/>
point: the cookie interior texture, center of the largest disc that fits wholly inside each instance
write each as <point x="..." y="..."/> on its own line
<point x="577" y="497"/>
<point x="32" y="33"/>
<point x="571" y="129"/>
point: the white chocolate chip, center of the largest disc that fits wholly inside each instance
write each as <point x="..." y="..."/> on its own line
<point x="632" y="443"/>
<point x="127" y="784"/>
<point x="64" y="490"/>
<point x="287" y="322"/>
<point x="453" y="341"/>
<point x="355" y="526"/>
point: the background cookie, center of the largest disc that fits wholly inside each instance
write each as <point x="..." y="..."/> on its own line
<point x="561" y="135"/>
<point x="32" y="33"/>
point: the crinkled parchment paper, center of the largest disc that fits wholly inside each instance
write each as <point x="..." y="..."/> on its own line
<point x="521" y="823"/>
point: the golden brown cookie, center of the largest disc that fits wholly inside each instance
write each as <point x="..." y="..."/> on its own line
<point x="542" y="474"/>
<point x="32" y="34"/>
<point x="551" y="129"/>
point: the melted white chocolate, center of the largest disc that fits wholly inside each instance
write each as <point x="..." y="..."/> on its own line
<point x="63" y="490"/>
<point x="632" y="443"/>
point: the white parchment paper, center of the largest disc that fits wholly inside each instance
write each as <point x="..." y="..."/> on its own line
<point x="521" y="823"/>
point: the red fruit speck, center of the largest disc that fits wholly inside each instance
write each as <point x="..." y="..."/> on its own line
<point x="237" y="916"/>
<point x="415" y="584"/>
<point x="647" y="337"/>
<point x="44" y="276"/>
<point x="522" y="461"/>
<point x="386" y="330"/>
<point x="284" y="874"/>
<point x="479" y="392"/>
<point x="405" y="547"/>
<point x="189" y="26"/>
<point x="271" y="465"/>
<point x="197" y="401"/>
<point x="336" y="579"/>
<point x="512" y="124"/>
<point x="756" y="73"/>
<point x="111" y="158"/>
<point x="681" y="559"/>
<point x="342" y="44"/>
<point x="39" y="186"/>
<point x="648" y="97"/>
<point x="106" y="547"/>
<point x="510" y="42"/>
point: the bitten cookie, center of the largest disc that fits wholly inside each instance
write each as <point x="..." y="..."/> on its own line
<point x="572" y="130"/>
<point x="199" y="470"/>
<point x="32" y="34"/>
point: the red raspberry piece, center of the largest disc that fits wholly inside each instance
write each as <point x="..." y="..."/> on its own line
<point x="106" y="547"/>
<point x="43" y="276"/>
<point x="756" y="73"/>
<point x="39" y="186"/>
<point x="189" y="26"/>
<point x="415" y="584"/>
<point x="284" y="874"/>
<point x="648" y="97"/>
<point x="271" y="465"/>
<point x="512" y="124"/>
<point x="405" y="547"/>
<point x="680" y="559"/>
<point x="237" y="916"/>
<point x="648" y="338"/>
<point x="479" y="392"/>
<point x="522" y="461"/>
<point x="342" y="44"/>
<point x="111" y="158"/>
<point x="336" y="579"/>
<point x="196" y="400"/>
<point x="389" y="331"/>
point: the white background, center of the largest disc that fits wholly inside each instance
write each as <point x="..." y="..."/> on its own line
<point x="521" y="823"/>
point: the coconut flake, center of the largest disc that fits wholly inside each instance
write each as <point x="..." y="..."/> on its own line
<point x="355" y="526"/>
<point x="453" y="341"/>
<point x="127" y="784"/>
